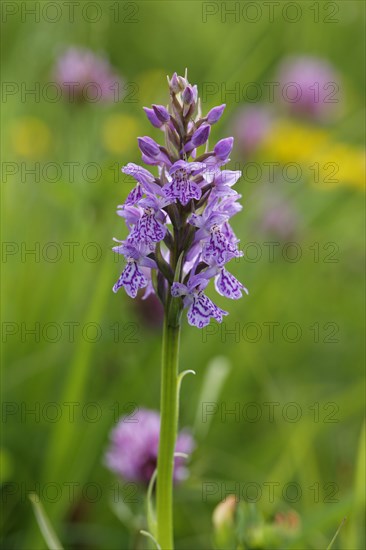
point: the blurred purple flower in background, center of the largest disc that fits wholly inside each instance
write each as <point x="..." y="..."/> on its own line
<point x="251" y="126"/>
<point x="150" y="311"/>
<point x="133" y="450"/>
<point x="86" y="77"/>
<point x="279" y="217"/>
<point x="309" y="87"/>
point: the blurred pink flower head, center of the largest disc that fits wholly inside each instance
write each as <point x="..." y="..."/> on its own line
<point x="133" y="450"/>
<point x="86" y="77"/>
<point x="251" y="126"/>
<point x="279" y="218"/>
<point x="309" y="87"/>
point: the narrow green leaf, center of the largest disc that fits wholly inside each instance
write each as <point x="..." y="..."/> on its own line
<point x="44" y="525"/>
<point x="216" y="374"/>
<point x="336" y="534"/>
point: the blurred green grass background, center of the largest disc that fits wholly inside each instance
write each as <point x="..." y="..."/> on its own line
<point x="167" y="37"/>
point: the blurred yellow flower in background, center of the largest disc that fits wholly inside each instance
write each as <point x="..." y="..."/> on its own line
<point x="330" y="163"/>
<point x="30" y="137"/>
<point x="291" y="142"/>
<point x="342" y="164"/>
<point x="119" y="133"/>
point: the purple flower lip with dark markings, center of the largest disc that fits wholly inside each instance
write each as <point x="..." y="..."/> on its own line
<point x="178" y="219"/>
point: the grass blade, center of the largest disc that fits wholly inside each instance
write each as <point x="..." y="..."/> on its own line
<point x="45" y="527"/>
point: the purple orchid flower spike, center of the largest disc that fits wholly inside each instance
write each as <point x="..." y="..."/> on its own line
<point x="183" y="211"/>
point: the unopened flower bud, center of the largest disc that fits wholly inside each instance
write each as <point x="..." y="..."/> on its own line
<point x="162" y="113"/>
<point x="182" y="83"/>
<point x="288" y="521"/>
<point x="174" y="84"/>
<point x="223" y="514"/>
<point x="188" y="95"/>
<point x="223" y="148"/>
<point x="215" y="114"/>
<point x="148" y="146"/>
<point x="200" y="136"/>
<point x="152" y="117"/>
<point x="223" y="519"/>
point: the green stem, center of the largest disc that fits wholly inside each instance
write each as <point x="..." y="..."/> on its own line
<point x="168" y="433"/>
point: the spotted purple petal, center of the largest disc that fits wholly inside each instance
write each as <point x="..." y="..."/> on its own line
<point x="140" y="174"/>
<point x="202" y="310"/>
<point x="148" y="229"/>
<point x="130" y="213"/>
<point x="135" y="195"/>
<point x="131" y="279"/>
<point x="228" y="285"/>
<point x="182" y="187"/>
<point x="178" y="289"/>
<point x="218" y="248"/>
